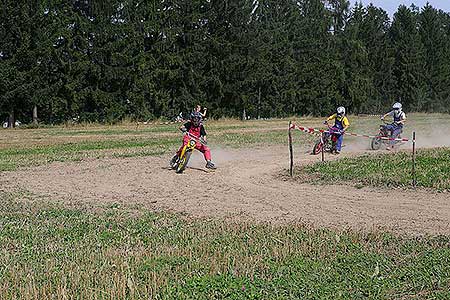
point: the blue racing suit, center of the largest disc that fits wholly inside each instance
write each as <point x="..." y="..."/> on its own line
<point x="341" y="122"/>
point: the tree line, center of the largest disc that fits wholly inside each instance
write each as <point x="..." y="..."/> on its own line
<point x="104" y="61"/>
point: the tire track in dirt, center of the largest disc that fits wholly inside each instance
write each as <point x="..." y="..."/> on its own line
<point x="246" y="186"/>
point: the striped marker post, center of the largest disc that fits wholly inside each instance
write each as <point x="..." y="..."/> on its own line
<point x="291" y="152"/>
<point x="320" y="131"/>
<point x="323" y="155"/>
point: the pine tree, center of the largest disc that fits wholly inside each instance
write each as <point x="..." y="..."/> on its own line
<point x="409" y="59"/>
<point x="432" y="34"/>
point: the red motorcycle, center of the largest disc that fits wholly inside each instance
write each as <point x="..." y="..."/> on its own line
<point x="327" y="141"/>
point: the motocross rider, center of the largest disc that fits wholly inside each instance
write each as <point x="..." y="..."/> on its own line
<point x="196" y="129"/>
<point x="341" y="123"/>
<point x="399" y="120"/>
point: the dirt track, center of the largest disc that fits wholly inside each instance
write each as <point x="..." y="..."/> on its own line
<point x="246" y="186"/>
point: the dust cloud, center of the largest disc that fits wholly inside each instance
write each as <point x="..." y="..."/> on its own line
<point x="433" y="134"/>
<point x="219" y="156"/>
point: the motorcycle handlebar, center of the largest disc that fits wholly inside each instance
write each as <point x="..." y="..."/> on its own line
<point x="332" y="130"/>
<point x="200" y="140"/>
<point x="389" y="123"/>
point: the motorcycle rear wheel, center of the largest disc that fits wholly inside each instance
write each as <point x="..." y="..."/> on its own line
<point x="182" y="164"/>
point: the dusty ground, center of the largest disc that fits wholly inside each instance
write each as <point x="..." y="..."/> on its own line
<point x="246" y="186"/>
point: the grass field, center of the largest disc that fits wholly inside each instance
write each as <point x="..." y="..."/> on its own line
<point x="22" y="148"/>
<point x="393" y="170"/>
<point x="51" y="250"/>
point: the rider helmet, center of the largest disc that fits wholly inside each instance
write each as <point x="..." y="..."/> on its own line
<point x="397" y="106"/>
<point x="196" y="119"/>
<point x="340" y="110"/>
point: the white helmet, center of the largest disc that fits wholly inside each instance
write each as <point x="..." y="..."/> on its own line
<point x="397" y="106"/>
<point x="341" y="110"/>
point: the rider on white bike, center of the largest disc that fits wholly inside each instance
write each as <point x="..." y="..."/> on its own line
<point x="396" y="127"/>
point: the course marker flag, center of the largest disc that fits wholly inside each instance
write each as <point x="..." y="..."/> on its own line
<point x="319" y="131"/>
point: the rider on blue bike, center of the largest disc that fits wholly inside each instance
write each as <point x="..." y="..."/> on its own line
<point x="397" y="126"/>
<point x="341" y="123"/>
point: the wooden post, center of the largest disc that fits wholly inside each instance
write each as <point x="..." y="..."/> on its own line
<point x="321" y="140"/>
<point x="291" y="152"/>
<point x="414" y="181"/>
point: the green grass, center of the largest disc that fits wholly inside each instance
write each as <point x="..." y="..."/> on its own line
<point x="50" y="251"/>
<point x="113" y="130"/>
<point x="393" y="170"/>
<point x="11" y="159"/>
<point x="257" y="139"/>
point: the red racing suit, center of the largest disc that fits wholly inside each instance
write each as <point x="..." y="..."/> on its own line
<point x="197" y="132"/>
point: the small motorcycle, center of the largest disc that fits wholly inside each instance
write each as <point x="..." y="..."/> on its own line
<point x="327" y="141"/>
<point x="181" y="162"/>
<point x="382" y="138"/>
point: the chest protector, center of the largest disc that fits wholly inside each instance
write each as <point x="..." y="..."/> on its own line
<point x="397" y="116"/>
<point x="195" y="131"/>
<point x="339" y="122"/>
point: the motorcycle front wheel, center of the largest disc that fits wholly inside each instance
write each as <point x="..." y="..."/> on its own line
<point x="376" y="143"/>
<point x="317" y="148"/>
<point x="182" y="164"/>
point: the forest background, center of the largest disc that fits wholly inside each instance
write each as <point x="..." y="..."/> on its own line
<point x="105" y="61"/>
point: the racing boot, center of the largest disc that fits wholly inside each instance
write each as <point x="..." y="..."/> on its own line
<point x="210" y="165"/>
